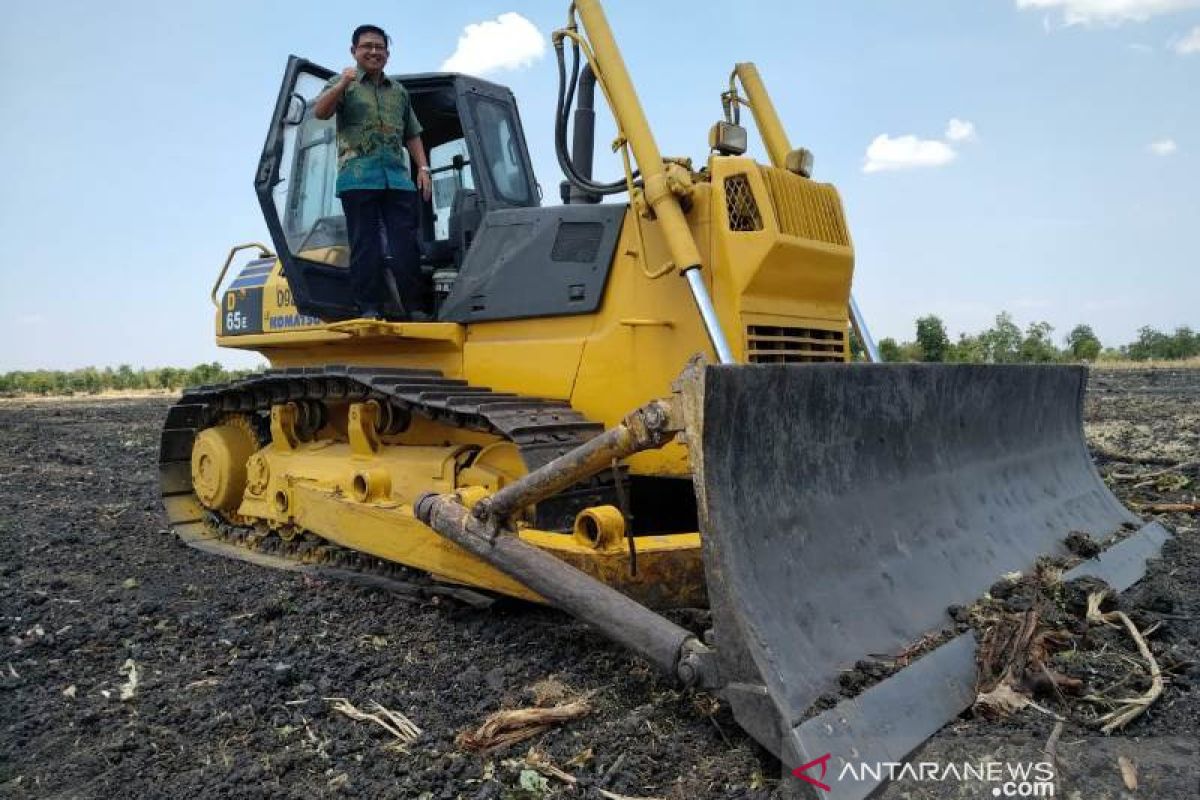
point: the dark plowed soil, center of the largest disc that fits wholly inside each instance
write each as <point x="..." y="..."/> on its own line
<point x="234" y="662"/>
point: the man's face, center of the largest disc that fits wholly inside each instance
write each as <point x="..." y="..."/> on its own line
<point x="371" y="52"/>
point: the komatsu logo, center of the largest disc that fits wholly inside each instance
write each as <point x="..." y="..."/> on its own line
<point x="1009" y="780"/>
<point x="291" y="321"/>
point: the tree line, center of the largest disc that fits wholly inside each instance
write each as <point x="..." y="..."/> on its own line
<point x="1006" y="343"/>
<point x="1003" y="343"/>
<point x="92" y="380"/>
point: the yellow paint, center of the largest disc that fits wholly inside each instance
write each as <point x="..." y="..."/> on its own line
<point x="326" y="487"/>
<point x="781" y="287"/>
<point x="646" y="328"/>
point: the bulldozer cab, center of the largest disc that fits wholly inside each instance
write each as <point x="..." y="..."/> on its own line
<point x="477" y="158"/>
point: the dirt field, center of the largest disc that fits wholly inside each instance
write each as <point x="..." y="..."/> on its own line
<point x="233" y="661"/>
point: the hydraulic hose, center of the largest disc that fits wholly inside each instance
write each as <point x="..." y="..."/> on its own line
<point x="566" y="98"/>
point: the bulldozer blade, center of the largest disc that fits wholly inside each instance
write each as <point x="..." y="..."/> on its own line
<point x="844" y="508"/>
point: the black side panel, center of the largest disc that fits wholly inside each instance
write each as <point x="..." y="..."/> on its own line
<point x="536" y="262"/>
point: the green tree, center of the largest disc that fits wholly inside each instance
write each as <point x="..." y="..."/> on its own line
<point x="1083" y="343"/>
<point x="206" y="373"/>
<point x="1038" y="347"/>
<point x="932" y="338"/>
<point x="1184" y="343"/>
<point x="1001" y="343"/>
<point x="967" y="350"/>
<point x="125" y="379"/>
<point x="86" y="380"/>
<point x="889" y="350"/>
<point x="1149" y="344"/>
<point x="1113" y="354"/>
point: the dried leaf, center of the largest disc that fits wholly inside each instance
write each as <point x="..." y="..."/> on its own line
<point x="1128" y="773"/>
<point x="1001" y="701"/>
<point x="132" y="675"/>
<point x="581" y="758"/>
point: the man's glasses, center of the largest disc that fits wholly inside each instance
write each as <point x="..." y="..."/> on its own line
<point x="372" y="47"/>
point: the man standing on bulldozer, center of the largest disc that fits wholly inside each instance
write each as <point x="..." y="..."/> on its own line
<point x="375" y="124"/>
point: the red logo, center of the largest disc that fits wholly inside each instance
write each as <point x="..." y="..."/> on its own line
<point x="799" y="771"/>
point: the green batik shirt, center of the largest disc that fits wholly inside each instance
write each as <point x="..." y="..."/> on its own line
<point x="373" y="123"/>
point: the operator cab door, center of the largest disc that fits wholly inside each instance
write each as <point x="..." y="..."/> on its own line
<point x="477" y="157"/>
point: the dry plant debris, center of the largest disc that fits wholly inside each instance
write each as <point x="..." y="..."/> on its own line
<point x="1131" y="707"/>
<point x="549" y="691"/>
<point x="1045" y="639"/>
<point x="540" y="761"/>
<point x="1171" y="508"/>
<point x="507" y="727"/>
<point x="132" y="677"/>
<point x="402" y="729"/>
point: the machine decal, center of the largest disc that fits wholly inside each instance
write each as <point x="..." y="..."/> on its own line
<point x="248" y="280"/>
<point x="284" y="321"/>
<point x="241" y="312"/>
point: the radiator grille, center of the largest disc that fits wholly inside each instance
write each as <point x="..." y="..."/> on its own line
<point x="805" y="208"/>
<point x="741" y="205"/>
<point x="769" y="344"/>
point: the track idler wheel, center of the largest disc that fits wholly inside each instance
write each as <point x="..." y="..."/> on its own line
<point x="219" y="458"/>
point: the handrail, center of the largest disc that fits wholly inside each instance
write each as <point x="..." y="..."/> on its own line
<point x="263" y="252"/>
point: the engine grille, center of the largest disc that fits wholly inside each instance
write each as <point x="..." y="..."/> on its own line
<point x="740" y="205"/>
<point x="806" y="208"/>
<point x="769" y="344"/>
<point x="577" y="242"/>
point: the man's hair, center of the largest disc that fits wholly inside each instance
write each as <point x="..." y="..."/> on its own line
<point x="361" y="29"/>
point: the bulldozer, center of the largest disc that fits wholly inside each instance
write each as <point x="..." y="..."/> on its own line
<point x="619" y="408"/>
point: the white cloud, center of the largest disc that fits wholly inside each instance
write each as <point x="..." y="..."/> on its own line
<point x="1189" y="43"/>
<point x="505" y="43"/>
<point x="908" y="152"/>
<point x="1163" y="147"/>
<point x="959" y="130"/>
<point x="1108" y="12"/>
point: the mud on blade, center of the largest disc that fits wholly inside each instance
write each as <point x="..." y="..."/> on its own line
<point x="843" y="509"/>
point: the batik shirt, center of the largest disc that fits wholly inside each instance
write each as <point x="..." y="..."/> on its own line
<point x="373" y="123"/>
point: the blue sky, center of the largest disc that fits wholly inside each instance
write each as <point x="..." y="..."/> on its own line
<point x="132" y="130"/>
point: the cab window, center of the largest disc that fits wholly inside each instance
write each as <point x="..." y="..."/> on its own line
<point x="501" y="151"/>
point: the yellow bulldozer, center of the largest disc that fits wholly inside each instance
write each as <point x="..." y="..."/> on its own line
<point x="624" y="407"/>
